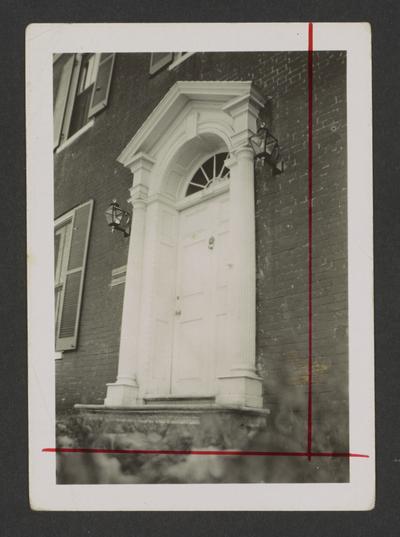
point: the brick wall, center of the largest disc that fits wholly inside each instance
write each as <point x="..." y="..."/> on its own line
<point x="282" y="251"/>
<point x="88" y="169"/>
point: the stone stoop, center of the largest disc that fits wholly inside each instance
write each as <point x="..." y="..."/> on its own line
<point x="169" y="426"/>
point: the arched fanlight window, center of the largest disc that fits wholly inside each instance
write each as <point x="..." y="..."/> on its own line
<point x="211" y="171"/>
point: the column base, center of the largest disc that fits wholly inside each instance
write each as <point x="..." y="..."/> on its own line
<point x="122" y="393"/>
<point x="240" y="390"/>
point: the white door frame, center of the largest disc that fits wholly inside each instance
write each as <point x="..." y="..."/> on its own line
<point x="194" y="119"/>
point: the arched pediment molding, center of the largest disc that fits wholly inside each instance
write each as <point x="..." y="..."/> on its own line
<point x="192" y="120"/>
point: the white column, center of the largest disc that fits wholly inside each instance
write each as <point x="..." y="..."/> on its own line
<point x="240" y="384"/>
<point x="125" y="391"/>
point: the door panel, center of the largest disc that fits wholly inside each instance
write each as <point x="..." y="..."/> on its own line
<point x="189" y="366"/>
<point x="194" y="268"/>
<point x="201" y="297"/>
<point x="220" y="285"/>
<point x="160" y="333"/>
<point x="161" y="364"/>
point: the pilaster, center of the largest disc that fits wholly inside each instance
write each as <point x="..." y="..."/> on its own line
<point x="125" y="391"/>
<point x="240" y="384"/>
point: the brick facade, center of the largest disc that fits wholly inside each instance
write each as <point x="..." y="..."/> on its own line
<point x="87" y="169"/>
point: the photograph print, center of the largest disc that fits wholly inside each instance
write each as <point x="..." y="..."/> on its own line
<point x="199" y="269"/>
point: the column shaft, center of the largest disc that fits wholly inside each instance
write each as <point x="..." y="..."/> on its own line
<point x="240" y="385"/>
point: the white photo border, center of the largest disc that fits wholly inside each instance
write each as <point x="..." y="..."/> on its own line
<point x="42" y="41"/>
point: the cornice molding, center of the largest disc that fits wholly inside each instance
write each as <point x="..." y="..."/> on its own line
<point x="232" y="96"/>
<point x="140" y="161"/>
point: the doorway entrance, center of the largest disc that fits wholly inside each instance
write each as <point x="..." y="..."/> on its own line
<point x="188" y="322"/>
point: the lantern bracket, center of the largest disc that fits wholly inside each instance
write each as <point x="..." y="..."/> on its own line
<point x="118" y="219"/>
<point x="266" y="148"/>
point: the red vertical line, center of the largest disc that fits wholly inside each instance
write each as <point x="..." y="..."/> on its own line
<point x="310" y="236"/>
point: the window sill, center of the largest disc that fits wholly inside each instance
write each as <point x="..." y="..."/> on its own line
<point x="75" y="136"/>
<point x="58" y="355"/>
<point x="118" y="276"/>
<point x="180" y="60"/>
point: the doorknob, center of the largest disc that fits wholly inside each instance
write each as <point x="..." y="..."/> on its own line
<point x="211" y="242"/>
<point x="178" y="312"/>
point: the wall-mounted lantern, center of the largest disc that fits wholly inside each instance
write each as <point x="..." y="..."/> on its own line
<point x="118" y="219"/>
<point x="266" y="148"/>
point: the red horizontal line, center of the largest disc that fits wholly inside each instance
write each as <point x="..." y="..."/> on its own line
<point x="205" y="452"/>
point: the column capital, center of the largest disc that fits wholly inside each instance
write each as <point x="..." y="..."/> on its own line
<point x="139" y="195"/>
<point x="140" y="165"/>
<point x="243" y="152"/>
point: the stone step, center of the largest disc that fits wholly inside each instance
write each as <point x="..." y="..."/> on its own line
<point x="178" y="400"/>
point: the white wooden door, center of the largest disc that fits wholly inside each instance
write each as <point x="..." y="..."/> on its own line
<point x="201" y="300"/>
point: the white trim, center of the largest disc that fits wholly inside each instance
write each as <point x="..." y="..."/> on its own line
<point x="203" y="195"/>
<point x="75" y="136"/>
<point x="64" y="218"/>
<point x="180" y="60"/>
<point x="117" y="281"/>
<point x="118" y="276"/>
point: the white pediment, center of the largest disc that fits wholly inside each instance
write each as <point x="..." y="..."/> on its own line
<point x="239" y="99"/>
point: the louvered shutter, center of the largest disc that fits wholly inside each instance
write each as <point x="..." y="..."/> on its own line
<point x="60" y="100"/>
<point x="57" y="240"/>
<point x="67" y="336"/>
<point x="159" y="60"/>
<point x="101" y="88"/>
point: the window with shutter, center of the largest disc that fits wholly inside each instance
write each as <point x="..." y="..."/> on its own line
<point x="101" y="89"/>
<point x="158" y="60"/>
<point x="83" y="91"/>
<point x="70" y="249"/>
<point x="62" y="88"/>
